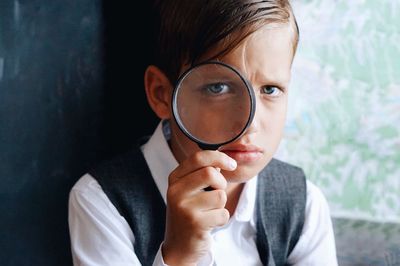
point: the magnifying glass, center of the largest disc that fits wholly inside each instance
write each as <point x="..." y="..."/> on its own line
<point x="213" y="104"/>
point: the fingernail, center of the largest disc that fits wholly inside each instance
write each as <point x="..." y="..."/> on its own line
<point x="232" y="164"/>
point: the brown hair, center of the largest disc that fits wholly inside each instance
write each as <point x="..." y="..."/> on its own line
<point x="190" y="28"/>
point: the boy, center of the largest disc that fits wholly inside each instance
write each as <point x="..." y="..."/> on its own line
<point x="151" y="205"/>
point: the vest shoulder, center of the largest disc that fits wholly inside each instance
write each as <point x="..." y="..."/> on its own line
<point x="121" y="166"/>
<point x="281" y="177"/>
<point x="284" y="167"/>
<point x="133" y="157"/>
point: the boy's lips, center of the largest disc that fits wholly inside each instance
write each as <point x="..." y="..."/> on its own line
<point x="243" y="153"/>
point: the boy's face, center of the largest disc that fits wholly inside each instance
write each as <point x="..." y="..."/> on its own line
<point x="264" y="58"/>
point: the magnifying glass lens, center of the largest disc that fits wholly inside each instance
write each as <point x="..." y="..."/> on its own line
<point x="212" y="103"/>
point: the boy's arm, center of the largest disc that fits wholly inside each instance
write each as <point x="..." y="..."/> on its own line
<point x="99" y="234"/>
<point x="316" y="245"/>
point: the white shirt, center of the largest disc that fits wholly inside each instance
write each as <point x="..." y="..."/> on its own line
<point x="101" y="236"/>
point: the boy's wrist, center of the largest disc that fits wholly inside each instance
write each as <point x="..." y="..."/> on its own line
<point x="172" y="258"/>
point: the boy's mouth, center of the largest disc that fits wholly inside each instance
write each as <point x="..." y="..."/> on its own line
<point x="243" y="153"/>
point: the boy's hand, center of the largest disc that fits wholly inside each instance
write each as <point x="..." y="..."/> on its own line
<point x="193" y="212"/>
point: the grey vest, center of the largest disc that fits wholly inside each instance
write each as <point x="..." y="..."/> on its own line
<point x="281" y="199"/>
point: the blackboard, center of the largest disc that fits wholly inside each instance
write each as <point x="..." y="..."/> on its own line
<point x="67" y="101"/>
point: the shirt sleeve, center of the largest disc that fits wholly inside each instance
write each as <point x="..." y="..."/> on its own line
<point x="316" y="245"/>
<point x="99" y="234"/>
<point x="207" y="260"/>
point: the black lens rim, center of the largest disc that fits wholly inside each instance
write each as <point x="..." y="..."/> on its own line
<point x="204" y="145"/>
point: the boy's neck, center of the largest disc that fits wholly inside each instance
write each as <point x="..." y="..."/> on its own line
<point x="233" y="192"/>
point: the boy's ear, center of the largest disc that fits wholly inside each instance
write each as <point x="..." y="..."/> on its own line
<point x="158" y="91"/>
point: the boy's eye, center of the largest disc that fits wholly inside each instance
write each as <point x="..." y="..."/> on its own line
<point x="271" y="91"/>
<point x="217" y="88"/>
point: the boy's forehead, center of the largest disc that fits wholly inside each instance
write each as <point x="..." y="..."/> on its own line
<point x="267" y="50"/>
<point x="266" y="53"/>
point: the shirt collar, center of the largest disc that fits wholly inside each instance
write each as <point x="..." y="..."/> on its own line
<point x="159" y="157"/>
<point x="162" y="162"/>
<point x="245" y="209"/>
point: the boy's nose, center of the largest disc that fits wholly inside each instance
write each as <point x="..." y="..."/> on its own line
<point x="254" y="124"/>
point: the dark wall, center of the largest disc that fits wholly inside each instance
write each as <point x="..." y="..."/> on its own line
<point x="129" y="30"/>
<point x="71" y="94"/>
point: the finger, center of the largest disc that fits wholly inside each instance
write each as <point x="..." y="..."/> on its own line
<point x="203" y="159"/>
<point x="206" y="201"/>
<point x="209" y="188"/>
<point x="197" y="181"/>
<point x="213" y="218"/>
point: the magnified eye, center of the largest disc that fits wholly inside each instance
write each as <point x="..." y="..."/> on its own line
<point x="217" y="88"/>
<point x="271" y="91"/>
